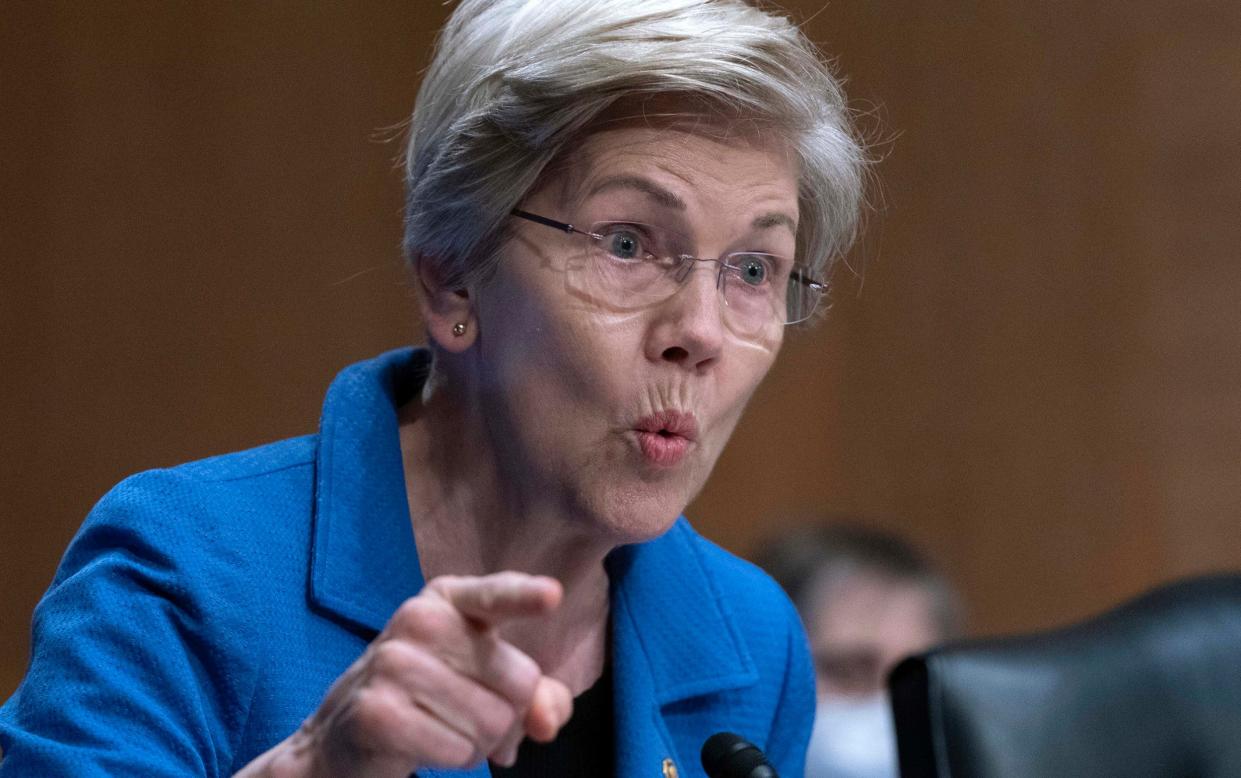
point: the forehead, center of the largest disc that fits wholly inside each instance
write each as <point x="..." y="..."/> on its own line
<point x="702" y="159"/>
<point x="893" y="617"/>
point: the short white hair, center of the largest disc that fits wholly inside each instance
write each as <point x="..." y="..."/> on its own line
<point x="514" y="82"/>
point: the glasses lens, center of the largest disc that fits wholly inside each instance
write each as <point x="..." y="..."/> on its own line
<point x="754" y="287"/>
<point x="762" y="289"/>
<point x="630" y="265"/>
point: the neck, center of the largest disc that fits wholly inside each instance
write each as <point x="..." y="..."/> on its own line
<point x="470" y="519"/>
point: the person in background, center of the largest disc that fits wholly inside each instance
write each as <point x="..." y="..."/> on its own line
<point x="868" y="599"/>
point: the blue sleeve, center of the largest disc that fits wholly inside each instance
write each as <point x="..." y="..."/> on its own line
<point x="133" y="668"/>
<point x="794" y="719"/>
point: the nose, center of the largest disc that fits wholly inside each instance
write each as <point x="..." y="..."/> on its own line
<point x="688" y="328"/>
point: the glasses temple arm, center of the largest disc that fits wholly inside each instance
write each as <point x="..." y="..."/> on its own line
<point x="534" y="217"/>
<point x="806" y="280"/>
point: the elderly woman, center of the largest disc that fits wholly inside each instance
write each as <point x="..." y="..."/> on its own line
<point x="614" y="210"/>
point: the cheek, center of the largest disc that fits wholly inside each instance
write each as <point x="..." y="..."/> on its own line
<point x="749" y="364"/>
<point x="550" y="354"/>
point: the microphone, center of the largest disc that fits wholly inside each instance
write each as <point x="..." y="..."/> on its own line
<point x="726" y="755"/>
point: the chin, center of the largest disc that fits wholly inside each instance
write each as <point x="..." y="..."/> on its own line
<point x="637" y="512"/>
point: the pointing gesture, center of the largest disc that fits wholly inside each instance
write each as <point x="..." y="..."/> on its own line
<point x="437" y="688"/>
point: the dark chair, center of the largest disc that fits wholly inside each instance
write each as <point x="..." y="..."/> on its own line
<point x="1151" y="689"/>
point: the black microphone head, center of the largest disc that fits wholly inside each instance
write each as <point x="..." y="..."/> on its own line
<point x="726" y="755"/>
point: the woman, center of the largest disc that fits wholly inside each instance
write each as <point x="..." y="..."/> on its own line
<point x="614" y="209"/>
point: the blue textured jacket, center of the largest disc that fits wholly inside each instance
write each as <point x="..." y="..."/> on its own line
<point x="202" y="612"/>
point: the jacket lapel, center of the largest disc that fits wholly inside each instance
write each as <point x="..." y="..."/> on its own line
<point x="363" y="562"/>
<point x="673" y="639"/>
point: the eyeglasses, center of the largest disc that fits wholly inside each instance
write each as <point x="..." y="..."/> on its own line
<point x="634" y="265"/>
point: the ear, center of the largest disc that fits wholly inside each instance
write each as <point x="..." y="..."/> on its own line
<point x="447" y="312"/>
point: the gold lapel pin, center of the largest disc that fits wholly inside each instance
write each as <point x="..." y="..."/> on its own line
<point x="670" y="769"/>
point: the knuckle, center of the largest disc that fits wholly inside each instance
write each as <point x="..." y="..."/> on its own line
<point x="523" y="677"/>
<point x="411" y="611"/>
<point x="442" y="585"/>
<point x="496" y="722"/>
<point x="487" y="596"/>
<point x="376" y="719"/>
<point x="423" y="618"/>
<point x="390" y="659"/>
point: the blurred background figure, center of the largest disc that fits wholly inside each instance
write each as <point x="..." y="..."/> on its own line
<point x="868" y="599"/>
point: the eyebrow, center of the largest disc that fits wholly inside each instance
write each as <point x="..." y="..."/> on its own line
<point x="774" y="219"/>
<point x="667" y="199"/>
<point x="644" y="185"/>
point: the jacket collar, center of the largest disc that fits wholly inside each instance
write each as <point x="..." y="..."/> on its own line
<point x="363" y="561"/>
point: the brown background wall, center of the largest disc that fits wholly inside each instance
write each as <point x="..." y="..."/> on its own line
<point x="1038" y="378"/>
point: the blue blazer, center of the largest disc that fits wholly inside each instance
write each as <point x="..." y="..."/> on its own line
<point x="202" y="612"/>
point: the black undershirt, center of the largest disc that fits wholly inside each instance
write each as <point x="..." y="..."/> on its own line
<point x="584" y="747"/>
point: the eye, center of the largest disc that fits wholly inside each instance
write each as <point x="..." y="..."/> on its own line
<point x="623" y="242"/>
<point x="753" y="269"/>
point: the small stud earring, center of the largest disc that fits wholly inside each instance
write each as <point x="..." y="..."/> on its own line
<point x="458" y="329"/>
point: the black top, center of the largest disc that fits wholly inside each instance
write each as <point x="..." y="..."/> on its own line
<point x="584" y="747"/>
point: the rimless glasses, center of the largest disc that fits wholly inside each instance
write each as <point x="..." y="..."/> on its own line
<point x="634" y="265"/>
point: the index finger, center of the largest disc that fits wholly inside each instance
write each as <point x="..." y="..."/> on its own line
<point x="493" y="599"/>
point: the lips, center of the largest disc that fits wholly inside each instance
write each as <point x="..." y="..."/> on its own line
<point x="665" y="437"/>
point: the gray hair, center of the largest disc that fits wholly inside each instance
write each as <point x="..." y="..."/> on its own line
<point x="514" y="82"/>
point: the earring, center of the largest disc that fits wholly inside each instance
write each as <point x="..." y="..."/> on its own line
<point x="458" y="329"/>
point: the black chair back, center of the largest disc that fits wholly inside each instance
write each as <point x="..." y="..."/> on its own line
<point x="1151" y="689"/>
